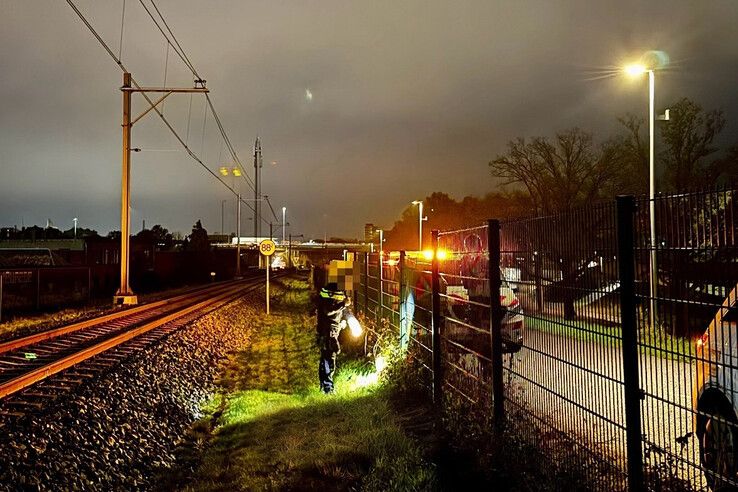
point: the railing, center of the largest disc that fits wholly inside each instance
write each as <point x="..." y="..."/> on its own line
<point x="597" y="337"/>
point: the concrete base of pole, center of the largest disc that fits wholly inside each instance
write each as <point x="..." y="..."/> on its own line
<point x="125" y="300"/>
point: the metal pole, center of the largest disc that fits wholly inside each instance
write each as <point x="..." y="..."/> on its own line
<point x="628" y="317"/>
<point x="257" y="187"/>
<point x="270" y="231"/>
<point x="436" y="337"/>
<point x="1" y="297"/>
<point x="222" y="216"/>
<point x="366" y="283"/>
<point x="238" y="236"/>
<point x="420" y="226"/>
<point x="496" y="313"/>
<point x="284" y="221"/>
<point x="651" y="195"/>
<point x="402" y="305"/>
<point x="381" y="284"/>
<point x="289" y="253"/>
<point x="124" y="294"/>
<point x="268" y="267"/>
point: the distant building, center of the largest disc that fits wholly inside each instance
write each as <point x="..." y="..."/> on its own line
<point x="371" y="234"/>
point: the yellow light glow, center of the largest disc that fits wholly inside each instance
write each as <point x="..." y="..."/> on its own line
<point x="355" y="327"/>
<point x="236" y="171"/>
<point x="635" y="69"/>
<point x="428" y="254"/>
<point x="223" y="171"/>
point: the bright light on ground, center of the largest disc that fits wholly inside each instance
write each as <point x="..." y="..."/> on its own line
<point x="355" y="327"/>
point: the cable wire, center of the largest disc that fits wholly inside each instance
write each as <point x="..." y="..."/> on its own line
<point x="151" y="103"/>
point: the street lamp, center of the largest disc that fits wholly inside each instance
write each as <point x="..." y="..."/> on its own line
<point x="419" y="203"/>
<point x="636" y="70"/>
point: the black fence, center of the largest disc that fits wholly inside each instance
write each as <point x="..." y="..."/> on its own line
<point x="606" y="345"/>
<point x="43" y="288"/>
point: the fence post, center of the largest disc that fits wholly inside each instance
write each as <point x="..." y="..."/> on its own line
<point x="366" y="283"/>
<point x="380" y="265"/>
<point x="436" y="334"/>
<point x="496" y="314"/>
<point x="629" y="331"/>
<point x="1" y="296"/>
<point x="401" y="306"/>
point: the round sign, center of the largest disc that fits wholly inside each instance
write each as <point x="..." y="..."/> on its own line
<point x="267" y="247"/>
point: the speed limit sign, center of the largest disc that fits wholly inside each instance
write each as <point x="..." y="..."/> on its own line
<point x="267" y="247"/>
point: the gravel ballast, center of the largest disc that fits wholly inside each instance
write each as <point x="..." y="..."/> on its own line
<point x="119" y="430"/>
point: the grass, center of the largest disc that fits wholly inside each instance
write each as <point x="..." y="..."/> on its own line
<point x="269" y="427"/>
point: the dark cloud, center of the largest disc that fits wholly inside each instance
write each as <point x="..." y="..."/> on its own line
<point x="408" y="98"/>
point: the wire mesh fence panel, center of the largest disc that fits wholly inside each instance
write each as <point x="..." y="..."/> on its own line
<point x="560" y="276"/>
<point x="465" y="333"/>
<point x="688" y="345"/>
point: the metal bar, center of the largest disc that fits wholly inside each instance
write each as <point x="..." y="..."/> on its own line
<point x="152" y="106"/>
<point x="436" y="337"/>
<point x="202" y="90"/>
<point x="496" y="314"/>
<point x="366" y="281"/>
<point x="632" y="392"/>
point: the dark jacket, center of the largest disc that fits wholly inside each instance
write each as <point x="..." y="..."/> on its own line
<point x="331" y="310"/>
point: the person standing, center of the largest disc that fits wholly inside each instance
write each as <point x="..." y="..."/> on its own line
<point x="332" y="310"/>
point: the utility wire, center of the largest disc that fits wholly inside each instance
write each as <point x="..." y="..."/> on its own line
<point x="151" y="103"/>
<point x="271" y="208"/>
<point x="122" y="23"/>
<point x="186" y="60"/>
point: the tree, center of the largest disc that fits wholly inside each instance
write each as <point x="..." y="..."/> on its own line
<point x="199" y="238"/>
<point x="570" y="172"/>
<point x="688" y="137"/>
<point x="157" y="235"/>
<point x="561" y="177"/>
<point x="631" y="151"/>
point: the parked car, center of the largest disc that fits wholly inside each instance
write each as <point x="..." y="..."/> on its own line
<point x="466" y="300"/>
<point x="715" y="396"/>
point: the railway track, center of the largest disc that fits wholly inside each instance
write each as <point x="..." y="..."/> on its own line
<point x="44" y="365"/>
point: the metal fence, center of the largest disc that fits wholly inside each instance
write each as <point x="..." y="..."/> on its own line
<point x="606" y="345"/>
<point x="43" y="288"/>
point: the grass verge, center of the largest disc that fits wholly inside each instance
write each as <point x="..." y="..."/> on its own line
<point x="269" y="427"/>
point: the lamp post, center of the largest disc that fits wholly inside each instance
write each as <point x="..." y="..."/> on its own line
<point x="419" y="203"/>
<point x="222" y="216"/>
<point x="284" y="221"/>
<point x="635" y="70"/>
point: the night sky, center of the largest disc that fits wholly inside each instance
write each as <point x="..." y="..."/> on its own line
<point x="364" y="106"/>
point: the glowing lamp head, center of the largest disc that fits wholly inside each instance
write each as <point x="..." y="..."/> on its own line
<point x="428" y="254"/>
<point x="223" y="171"/>
<point x="236" y="172"/>
<point x="635" y="69"/>
<point x="355" y="327"/>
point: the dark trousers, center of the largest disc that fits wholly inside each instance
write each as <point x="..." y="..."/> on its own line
<point x="329" y="348"/>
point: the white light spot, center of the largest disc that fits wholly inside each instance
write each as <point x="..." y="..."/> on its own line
<point x="308" y="95"/>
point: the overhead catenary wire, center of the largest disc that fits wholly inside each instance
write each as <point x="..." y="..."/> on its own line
<point x="175" y="44"/>
<point x="120" y="64"/>
<point x="122" y="24"/>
